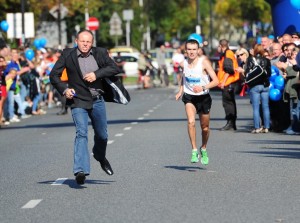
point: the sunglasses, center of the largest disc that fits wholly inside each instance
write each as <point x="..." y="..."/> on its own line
<point x="239" y="55"/>
<point x="292" y="49"/>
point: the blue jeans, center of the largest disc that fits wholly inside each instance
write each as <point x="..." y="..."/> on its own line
<point x="24" y="91"/>
<point x="81" y="152"/>
<point x="35" y="102"/>
<point x="294" y="110"/>
<point x="19" y="101"/>
<point x="9" y="106"/>
<point x="260" y="94"/>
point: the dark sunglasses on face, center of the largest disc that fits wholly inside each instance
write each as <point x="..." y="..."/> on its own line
<point x="239" y="55"/>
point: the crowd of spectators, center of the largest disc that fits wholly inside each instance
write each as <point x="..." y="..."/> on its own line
<point x="25" y="86"/>
<point x="283" y="54"/>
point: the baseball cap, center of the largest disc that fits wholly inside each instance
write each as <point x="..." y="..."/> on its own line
<point x="195" y="36"/>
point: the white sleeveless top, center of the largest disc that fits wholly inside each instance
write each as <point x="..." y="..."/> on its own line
<point x="193" y="77"/>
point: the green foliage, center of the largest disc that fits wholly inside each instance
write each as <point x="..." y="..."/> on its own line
<point x="173" y="18"/>
<point x="237" y="12"/>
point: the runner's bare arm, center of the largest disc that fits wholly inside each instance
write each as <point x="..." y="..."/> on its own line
<point x="180" y="92"/>
<point x="210" y="71"/>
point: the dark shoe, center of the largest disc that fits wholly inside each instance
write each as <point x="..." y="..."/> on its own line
<point x="106" y="166"/>
<point x="228" y="126"/>
<point x="234" y="125"/>
<point x="62" y="112"/>
<point x="80" y="178"/>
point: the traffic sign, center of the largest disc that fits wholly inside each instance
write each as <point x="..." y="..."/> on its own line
<point x="115" y="23"/>
<point x="128" y="14"/>
<point x="63" y="11"/>
<point x="93" y="23"/>
<point x="14" y="21"/>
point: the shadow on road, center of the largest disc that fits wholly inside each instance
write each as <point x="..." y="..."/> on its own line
<point x="72" y="183"/>
<point x="185" y="168"/>
<point x="270" y="151"/>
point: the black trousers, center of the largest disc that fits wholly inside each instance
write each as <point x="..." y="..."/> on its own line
<point x="228" y="101"/>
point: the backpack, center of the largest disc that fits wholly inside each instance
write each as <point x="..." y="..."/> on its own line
<point x="228" y="65"/>
<point x="257" y="72"/>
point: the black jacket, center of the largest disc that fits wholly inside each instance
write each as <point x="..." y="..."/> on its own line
<point x="69" y="60"/>
<point x="264" y="63"/>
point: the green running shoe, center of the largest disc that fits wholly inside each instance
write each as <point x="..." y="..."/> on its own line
<point x="195" y="157"/>
<point x="204" y="157"/>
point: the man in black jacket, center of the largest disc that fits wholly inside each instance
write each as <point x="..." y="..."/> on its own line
<point x="87" y="67"/>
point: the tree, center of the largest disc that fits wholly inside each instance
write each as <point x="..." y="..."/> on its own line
<point x="236" y="13"/>
<point x="167" y="18"/>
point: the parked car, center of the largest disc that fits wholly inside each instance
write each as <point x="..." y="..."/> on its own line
<point x="131" y="64"/>
<point x="123" y="49"/>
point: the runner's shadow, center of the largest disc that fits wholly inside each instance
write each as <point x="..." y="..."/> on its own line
<point x="72" y="183"/>
<point x="185" y="168"/>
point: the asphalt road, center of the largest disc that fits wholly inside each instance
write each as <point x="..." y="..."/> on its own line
<point x="250" y="177"/>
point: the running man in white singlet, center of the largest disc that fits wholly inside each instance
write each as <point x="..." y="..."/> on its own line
<point x="198" y="77"/>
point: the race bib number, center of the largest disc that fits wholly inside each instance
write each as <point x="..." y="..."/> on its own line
<point x="193" y="81"/>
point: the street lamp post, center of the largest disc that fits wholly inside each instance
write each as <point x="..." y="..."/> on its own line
<point x="59" y="24"/>
<point x="86" y="13"/>
<point x="211" y="26"/>
<point x="23" y="24"/>
<point x="146" y="40"/>
<point x="198" y="26"/>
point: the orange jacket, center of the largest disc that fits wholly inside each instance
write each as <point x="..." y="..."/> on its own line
<point x="64" y="76"/>
<point x="221" y="73"/>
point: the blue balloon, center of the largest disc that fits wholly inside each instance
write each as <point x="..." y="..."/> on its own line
<point x="271" y="36"/>
<point x="258" y="40"/>
<point x="4" y="25"/>
<point x="195" y="36"/>
<point x="37" y="43"/>
<point x="43" y="42"/>
<point x="271" y="86"/>
<point x="275" y="95"/>
<point x="279" y="82"/>
<point x="29" y="54"/>
<point x="295" y="4"/>
<point x="274" y="73"/>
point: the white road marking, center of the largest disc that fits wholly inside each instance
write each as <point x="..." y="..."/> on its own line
<point x="32" y="203"/>
<point x="134" y="123"/>
<point x="141" y="118"/>
<point x="119" y="134"/>
<point x="146" y="114"/>
<point x="59" y="181"/>
<point x="110" y="141"/>
<point x="150" y="110"/>
<point x="127" y="128"/>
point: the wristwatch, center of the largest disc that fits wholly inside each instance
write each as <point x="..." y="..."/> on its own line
<point x="203" y="88"/>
